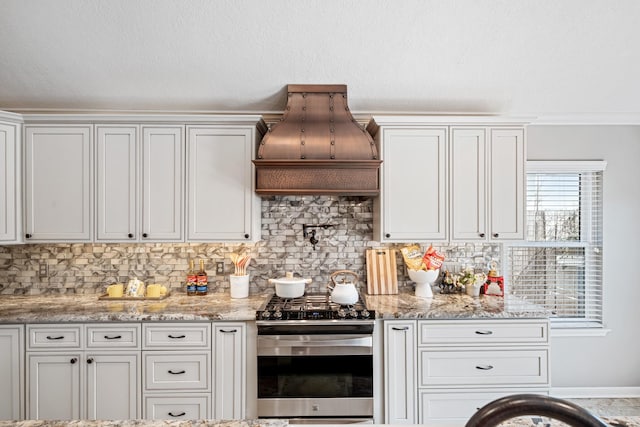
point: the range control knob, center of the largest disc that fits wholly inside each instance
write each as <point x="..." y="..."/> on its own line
<point x="277" y="314"/>
<point x="342" y="313"/>
<point x="353" y="313"/>
<point x="365" y="314"/>
<point x="265" y="315"/>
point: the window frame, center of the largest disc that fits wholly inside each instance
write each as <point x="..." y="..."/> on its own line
<point x="567" y="326"/>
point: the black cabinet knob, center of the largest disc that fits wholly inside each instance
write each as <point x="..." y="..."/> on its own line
<point x="246" y="236"/>
<point x="90" y="360"/>
<point x="482" y="234"/>
<point x="73" y="361"/>
<point x="145" y="235"/>
<point x="130" y="235"/>
<point x="28" y="236"/>
<point x="387" y="235"/>
<point x="496" y="235"/>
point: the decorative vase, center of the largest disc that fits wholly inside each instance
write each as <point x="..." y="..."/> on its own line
<point x="239" y="286"/>
<point x="473" y="289"/>
<point x="423" y="280"/>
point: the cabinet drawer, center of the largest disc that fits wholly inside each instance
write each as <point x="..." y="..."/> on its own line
<point x="113" y="336"/>
<point x="51" y="337"/>
<point x="177" y="336"/>
<point x="472" y="367"/>
<point x="192" y="407"/>
<point x="482" y="332"/>
<point x="176" y="371"/>
<point x="447" y="407"/>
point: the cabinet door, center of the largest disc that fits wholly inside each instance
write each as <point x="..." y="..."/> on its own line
<point x="162" y="183"/>
<point x="400" y="372"/>
<point x="54" y="382"/>
<point x="220" y="196"/>
<point x="11" y="372"/>
<point x="506" y="184"/>
<point x="9" y="201"/>
<point x="229" y="371"/>
<point x="413" y="184"/>
<point x="467" y="184"/>
<point x="116" y="187"/>
<point x="59" y="181"/>
<point x="113" y="386"/>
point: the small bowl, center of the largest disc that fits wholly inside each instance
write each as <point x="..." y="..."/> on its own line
<point x="424" y="276"/>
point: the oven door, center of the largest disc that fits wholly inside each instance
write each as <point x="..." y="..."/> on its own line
<point x="329" y="376"/>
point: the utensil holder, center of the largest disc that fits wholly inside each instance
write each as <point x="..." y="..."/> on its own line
<point x="239" y="286"/>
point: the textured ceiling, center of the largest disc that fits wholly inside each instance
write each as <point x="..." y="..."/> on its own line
<point x="548" y="58"/>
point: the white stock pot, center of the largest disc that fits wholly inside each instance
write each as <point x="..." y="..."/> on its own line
<point x="289" y="286"/>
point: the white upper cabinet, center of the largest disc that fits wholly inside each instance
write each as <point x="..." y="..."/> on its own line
<point x="221" y="203"/>
<point x="58" y="183"/>
<point x="117" y="152"/>
<point x="139" y="183"/>
<point x="162" y="183"/>
<point x="449" y="179"/>
<point x="506" y="184"/>
<point x="413" y="200"/>
<point x="9" y="182"/>
<point x="468" y="184"/>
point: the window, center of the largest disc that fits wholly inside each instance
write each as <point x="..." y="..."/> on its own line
<point x="559" y="265"/>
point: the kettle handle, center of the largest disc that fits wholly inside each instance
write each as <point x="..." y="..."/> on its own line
<point x="341" y="272"/>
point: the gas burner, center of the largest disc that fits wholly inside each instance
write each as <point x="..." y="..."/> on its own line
<point x="312" y="307"/>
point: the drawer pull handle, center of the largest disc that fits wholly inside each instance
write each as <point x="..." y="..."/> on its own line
<point x="484" y="367"/>
<point x="177" y="373"/>
<point x="228" y="331"/>
<point x="177" y="337"/>
<point x="484" y="332"/>
<point x="404" y="328"/>
<point x="60" y="337"/>
<point x="181" y="414"/>
<point x="117" y="337"/>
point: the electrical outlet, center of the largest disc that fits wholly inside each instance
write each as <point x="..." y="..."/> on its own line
<point x="44" y="269"/>
<point x="219" y="268"/>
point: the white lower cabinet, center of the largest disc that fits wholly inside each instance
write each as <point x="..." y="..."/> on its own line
<point x="11" y="372"/>
<point x="229" y="370"/>
<point x="67" y="380"/>
<point x="177" y="370"/>
<point x="454" y="367"/>
<point x="400" y="371"/>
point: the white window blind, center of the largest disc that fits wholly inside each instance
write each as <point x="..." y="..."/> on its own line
<point x="560" y="264"/>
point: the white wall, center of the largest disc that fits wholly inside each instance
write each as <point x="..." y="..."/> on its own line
<point x="612" y="360"/>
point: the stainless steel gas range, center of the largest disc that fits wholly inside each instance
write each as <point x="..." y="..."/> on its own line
<point x="315" y="360"/>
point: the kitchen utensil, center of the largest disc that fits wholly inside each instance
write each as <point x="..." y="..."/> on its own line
<point x="382" y="276"/>
<point x="289" y="286"/>
<point x="240" y="262"/>
<point x="344" y="293"/>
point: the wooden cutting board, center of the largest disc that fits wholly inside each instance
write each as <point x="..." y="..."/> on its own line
<point x="382" y="278"/>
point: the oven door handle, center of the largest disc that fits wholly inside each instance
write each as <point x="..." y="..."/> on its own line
<point x="281" y="345"/>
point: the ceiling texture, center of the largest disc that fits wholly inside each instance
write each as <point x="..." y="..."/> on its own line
<point x="556" y="60"/>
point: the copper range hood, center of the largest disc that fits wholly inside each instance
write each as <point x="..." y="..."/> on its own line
<point x="317" y="148"/>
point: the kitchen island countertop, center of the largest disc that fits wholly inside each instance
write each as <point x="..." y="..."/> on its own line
<point x="220" y="306"/>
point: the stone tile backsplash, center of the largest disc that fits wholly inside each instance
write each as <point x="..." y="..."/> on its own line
<point x="85" y="268"/>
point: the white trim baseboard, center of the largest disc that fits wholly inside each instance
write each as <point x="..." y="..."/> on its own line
<point x="595" y="392"/>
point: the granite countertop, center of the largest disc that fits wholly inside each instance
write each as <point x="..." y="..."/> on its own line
<point x="220" y="306"/>
<point x="88" y="308"/>
<point x="405" y="305"/>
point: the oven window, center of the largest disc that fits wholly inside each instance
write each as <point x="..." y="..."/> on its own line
<point x="315" y="376"/>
